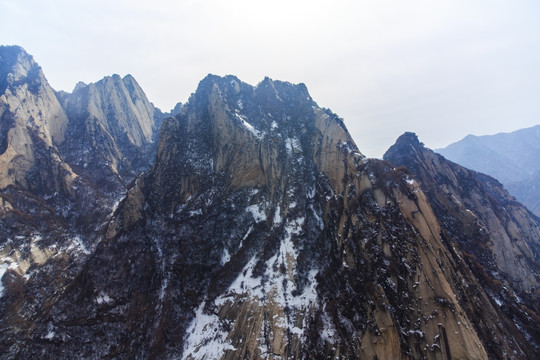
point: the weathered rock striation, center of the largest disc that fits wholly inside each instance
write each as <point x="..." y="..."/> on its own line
<point x="497" y="237"/>
<point x="116" y="127"/>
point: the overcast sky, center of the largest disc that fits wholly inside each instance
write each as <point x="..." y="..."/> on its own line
<point x="443" y="69"/>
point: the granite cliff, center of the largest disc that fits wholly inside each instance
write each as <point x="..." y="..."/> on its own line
<point x="51" y="208"/>
<point x="497" y="237"/>
<point x="260" y="231"/>
<point x="116" y="128"/>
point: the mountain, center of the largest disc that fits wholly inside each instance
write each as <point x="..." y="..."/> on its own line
<point x="511" y="158"/>
<point x="52" y="208"/>
<point x="497" y="236"/>
<point x="47" y="211"/>
<point x="116" y="127"/>
<point x="34" y="177"/>
<point x="32" y="121"/>
<point x="258" y="231"/>
<point x="475" y="205"/>
<point x="262" y="232"/>
<point x="527" y="191"/>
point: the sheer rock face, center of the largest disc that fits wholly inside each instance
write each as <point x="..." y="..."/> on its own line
<point x="497" y="237"/>
<point x="477" y="211"/>
<point x="116" y="126"/>
<point x="52" y="210"/>
<point x="32" y="124"/>
<point x="262" y="232"/>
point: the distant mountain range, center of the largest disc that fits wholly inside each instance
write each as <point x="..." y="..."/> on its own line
<point x="512" y="158"/>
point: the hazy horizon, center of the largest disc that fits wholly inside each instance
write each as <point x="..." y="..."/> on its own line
<point x="441" y="69"/>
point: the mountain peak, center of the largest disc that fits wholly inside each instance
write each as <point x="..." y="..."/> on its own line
<point x="409" y="138"/>
<point x="18" y="67"/>
<point x="405" y="146"/>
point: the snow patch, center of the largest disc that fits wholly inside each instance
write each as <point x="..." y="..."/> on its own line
<point x="245" y="283"/>
<point x="292" y="145"/>
<point x="245" y="237"/>
<point x="243" y="120"/>
<point x="103" y="298"/>
<point x="318" y="218"/>
<point x="163" y="288"/>
<point x="195" y="212"/>
<point x="77" y="245"/>
<point x="206" y="338"/>
<point x="497" y="301"/>
<point x="3" y="269"/>
<point x="328" y="332"/>
<point x="257" y="213"/>
<point x="277" y="216"/>
<point x="225" y="257"/>
<point x="9" y="264"/>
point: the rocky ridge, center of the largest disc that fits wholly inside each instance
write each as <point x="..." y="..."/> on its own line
<point x="478" y="212"/>
<point x="117" y="128"/>
<point x="51" y="212"/>
<point x="497" y="237"/>
<point x="260" y="231"/>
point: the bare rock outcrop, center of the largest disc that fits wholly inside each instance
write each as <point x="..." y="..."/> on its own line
<point x="32" y="123"/>
<point x="478" y="211"/>
<point x="116" y="127"/>
<point x="262" y="232"/>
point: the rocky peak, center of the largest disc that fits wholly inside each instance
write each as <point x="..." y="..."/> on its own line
<point x="407" y="146"/>
<point x="497" y="236"/>
<point x="229" y="128"/>
<point x="485" y="207"/>
<point x="408" y="139"/>
<point x="17" y="67"/>
<point x="31" y="117"/>
<point x="119" y="103"/>
<point x="117" y="126"/>
<point x="177" y="109"/>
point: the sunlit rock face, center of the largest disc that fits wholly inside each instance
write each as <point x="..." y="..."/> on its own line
<point x="52" y="210"/>
<point x="32" y="124"/>
<point x="259" y="232"/>
<point x="497" y="236"/>
<point x="116" y="129"/>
